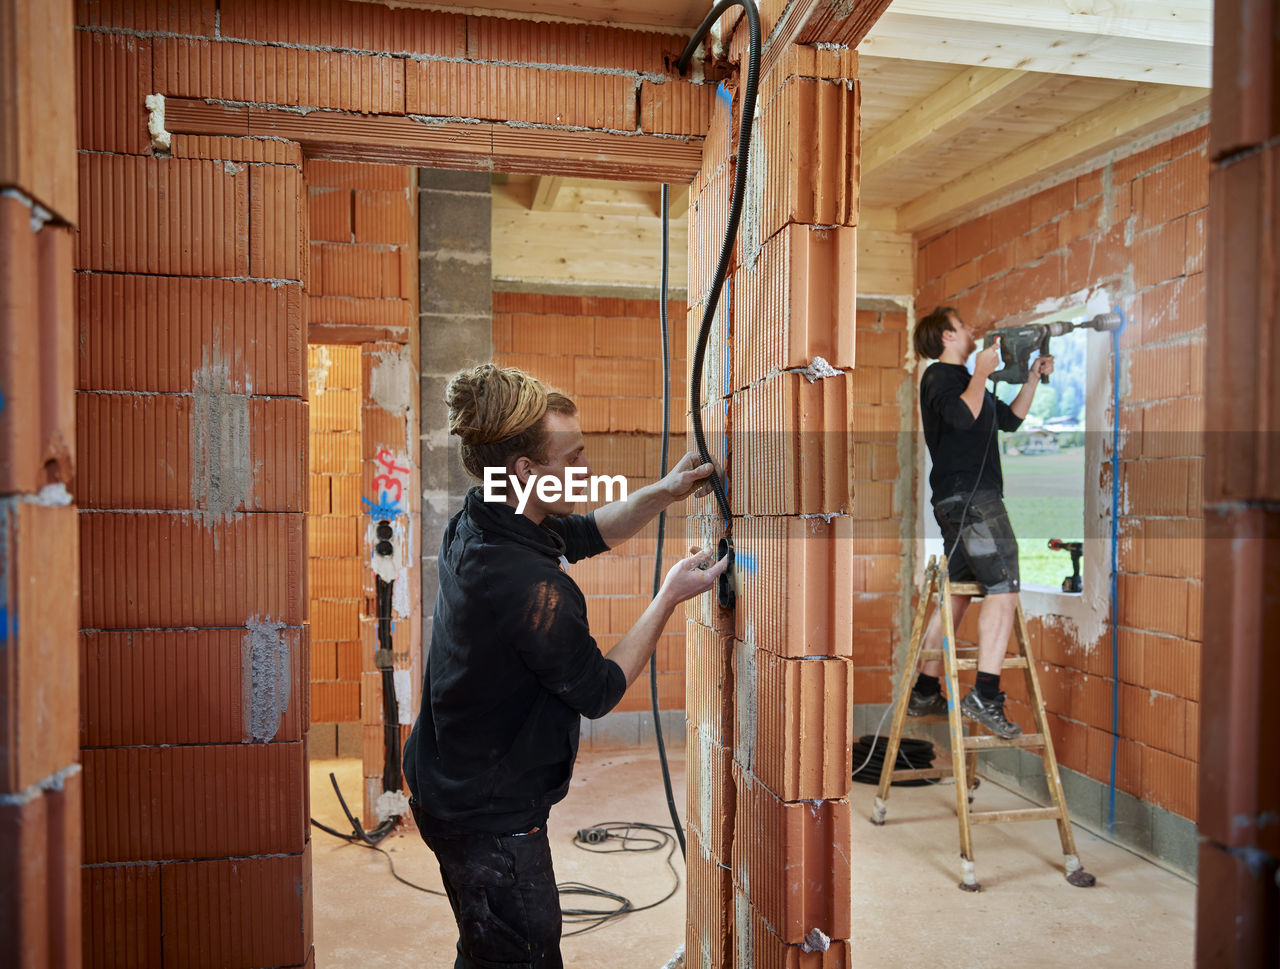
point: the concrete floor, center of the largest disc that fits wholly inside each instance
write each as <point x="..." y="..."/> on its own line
<point x="908" y="911"/>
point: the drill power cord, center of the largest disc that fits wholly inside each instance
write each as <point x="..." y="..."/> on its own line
<point x="605" y="838"/>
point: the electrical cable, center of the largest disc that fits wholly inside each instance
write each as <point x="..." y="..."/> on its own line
<point x="654" y="837"/>
<point x="648" y="837"/>
<point x="662" y="516"/>
<point x="731" y="230"/>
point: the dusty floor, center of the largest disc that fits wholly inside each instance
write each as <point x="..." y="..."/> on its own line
<point x="907" y="909"/>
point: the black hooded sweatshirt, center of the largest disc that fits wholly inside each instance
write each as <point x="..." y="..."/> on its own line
<point x="510" y="670"/>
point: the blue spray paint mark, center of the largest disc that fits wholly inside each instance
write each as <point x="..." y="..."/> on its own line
<point x="8" y="625"/>
<point x="745" y="561"/>
<point x="723" y="94"/>
<point x="385" y="508"/>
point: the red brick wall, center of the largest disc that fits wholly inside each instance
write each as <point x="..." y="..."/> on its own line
<point x="879" y="548"/>
<point x="335" y="554"/>
<point x="1135" y="228"/>
<point x="770" y="685"/>
<point x="362" y="293"/>
<point x="606" y="353"/>
<point x="41" y="783"/>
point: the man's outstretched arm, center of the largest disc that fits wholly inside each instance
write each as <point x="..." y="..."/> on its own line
<point x="619" y="520"/>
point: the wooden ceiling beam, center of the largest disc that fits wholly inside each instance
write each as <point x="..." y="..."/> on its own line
<point x="1141" y="110"/>
<point x="971" y="95"/>
<point x="1154" y="41"/>
<point x="546" y="188"/>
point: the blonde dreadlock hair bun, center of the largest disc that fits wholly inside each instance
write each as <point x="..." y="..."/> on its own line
<point x="497" y="413"/>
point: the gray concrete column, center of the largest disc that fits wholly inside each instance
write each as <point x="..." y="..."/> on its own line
<point x="455" y="284"/>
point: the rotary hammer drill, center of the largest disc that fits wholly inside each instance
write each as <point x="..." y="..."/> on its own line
<point x="1017" y="342"/>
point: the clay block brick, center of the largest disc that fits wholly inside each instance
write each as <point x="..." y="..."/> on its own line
<point x="709" y="682"/>
<point x="39" y="616"/>
<point x="40" y="897"/>
<point x="202" y="586"/>
<point x="497" y="92"/>
<point x="1175" y="189"/>
<point x="37" y="370"/>
<point x="358" y="270"/>
<point x="1160" y="253"/>
<point x="1011" y="221"/>
<point x="1036" y="243"/>
<point x="1153" y="603"/>
<point x="1235" y="922"/>
<point x="798" y="590"/>
<point x="122" y="916"/>
<point x="37" y="155"/>
<point x="262" y="151"/>
<point x="330" y="214"/>
<point x="794" y="435"/>
<point x="344" y="25"/>
<point x="324" y="659"/>
<point x="707" y="929"/>
<point x="1243" y="101"/>
<point x="794" y="728"/>
<point x="710" y="789"/>
<point x="1238" y="747"/>
<point x="1169" y="782"/>
<point x="269" y="899"/>
<point x="136" y="215"/>
<point x="823" y="188"/>
<point x="189" y="686"/>
<point x="384" y="217"/>
<point x="194" y="330"/>
<point x="279" y="75"/>
<point x="795" y="859"/>
<point x="1052" y="202"/>
<point x="200" y="453"/>
<point x="795" y="303"/>
<point x="567" y="44"/>
<point x="275" y="213"/>
<point x="194" y="801"/>
<point x="676" y="107"/>
<point x="337" y="702"/>
<point x="336" y="619"/>
<point x="191" y="17"/>
<point x="113" y="75"/>
<point x="612" y="378"/>
<point x="759" y="946"/>
<point x="1240" y="368"/>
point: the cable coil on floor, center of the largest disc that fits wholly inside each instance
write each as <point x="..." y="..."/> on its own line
<point x="912" y="755"/>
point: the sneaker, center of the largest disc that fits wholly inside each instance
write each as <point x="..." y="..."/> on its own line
<point x="926" y="705"/>
<point x="990" y="714"/>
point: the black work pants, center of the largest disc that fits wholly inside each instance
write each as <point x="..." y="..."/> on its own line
<point x="504" y="898"/>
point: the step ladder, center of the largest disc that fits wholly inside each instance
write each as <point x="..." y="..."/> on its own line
<point x="965" y="747"/>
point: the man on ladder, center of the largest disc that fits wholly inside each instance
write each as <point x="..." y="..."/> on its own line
<point x="960" y="419"/>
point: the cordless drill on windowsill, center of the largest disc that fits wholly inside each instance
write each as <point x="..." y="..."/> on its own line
<point x="1017" y="342"/>
<point x="1073" y="582"/>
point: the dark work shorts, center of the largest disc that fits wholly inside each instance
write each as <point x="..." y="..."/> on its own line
<point x="503" y="893"/>
<point x="984" y="550"/>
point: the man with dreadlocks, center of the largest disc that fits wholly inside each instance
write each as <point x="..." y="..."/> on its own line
<point x="512" y="666"/>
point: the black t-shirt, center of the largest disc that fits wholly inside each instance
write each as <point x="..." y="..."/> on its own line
<point x="510" y="671"/>
<point x="963" y="448"/>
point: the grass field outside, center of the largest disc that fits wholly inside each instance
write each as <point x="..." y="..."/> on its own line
<point x="1045" y="497"/>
